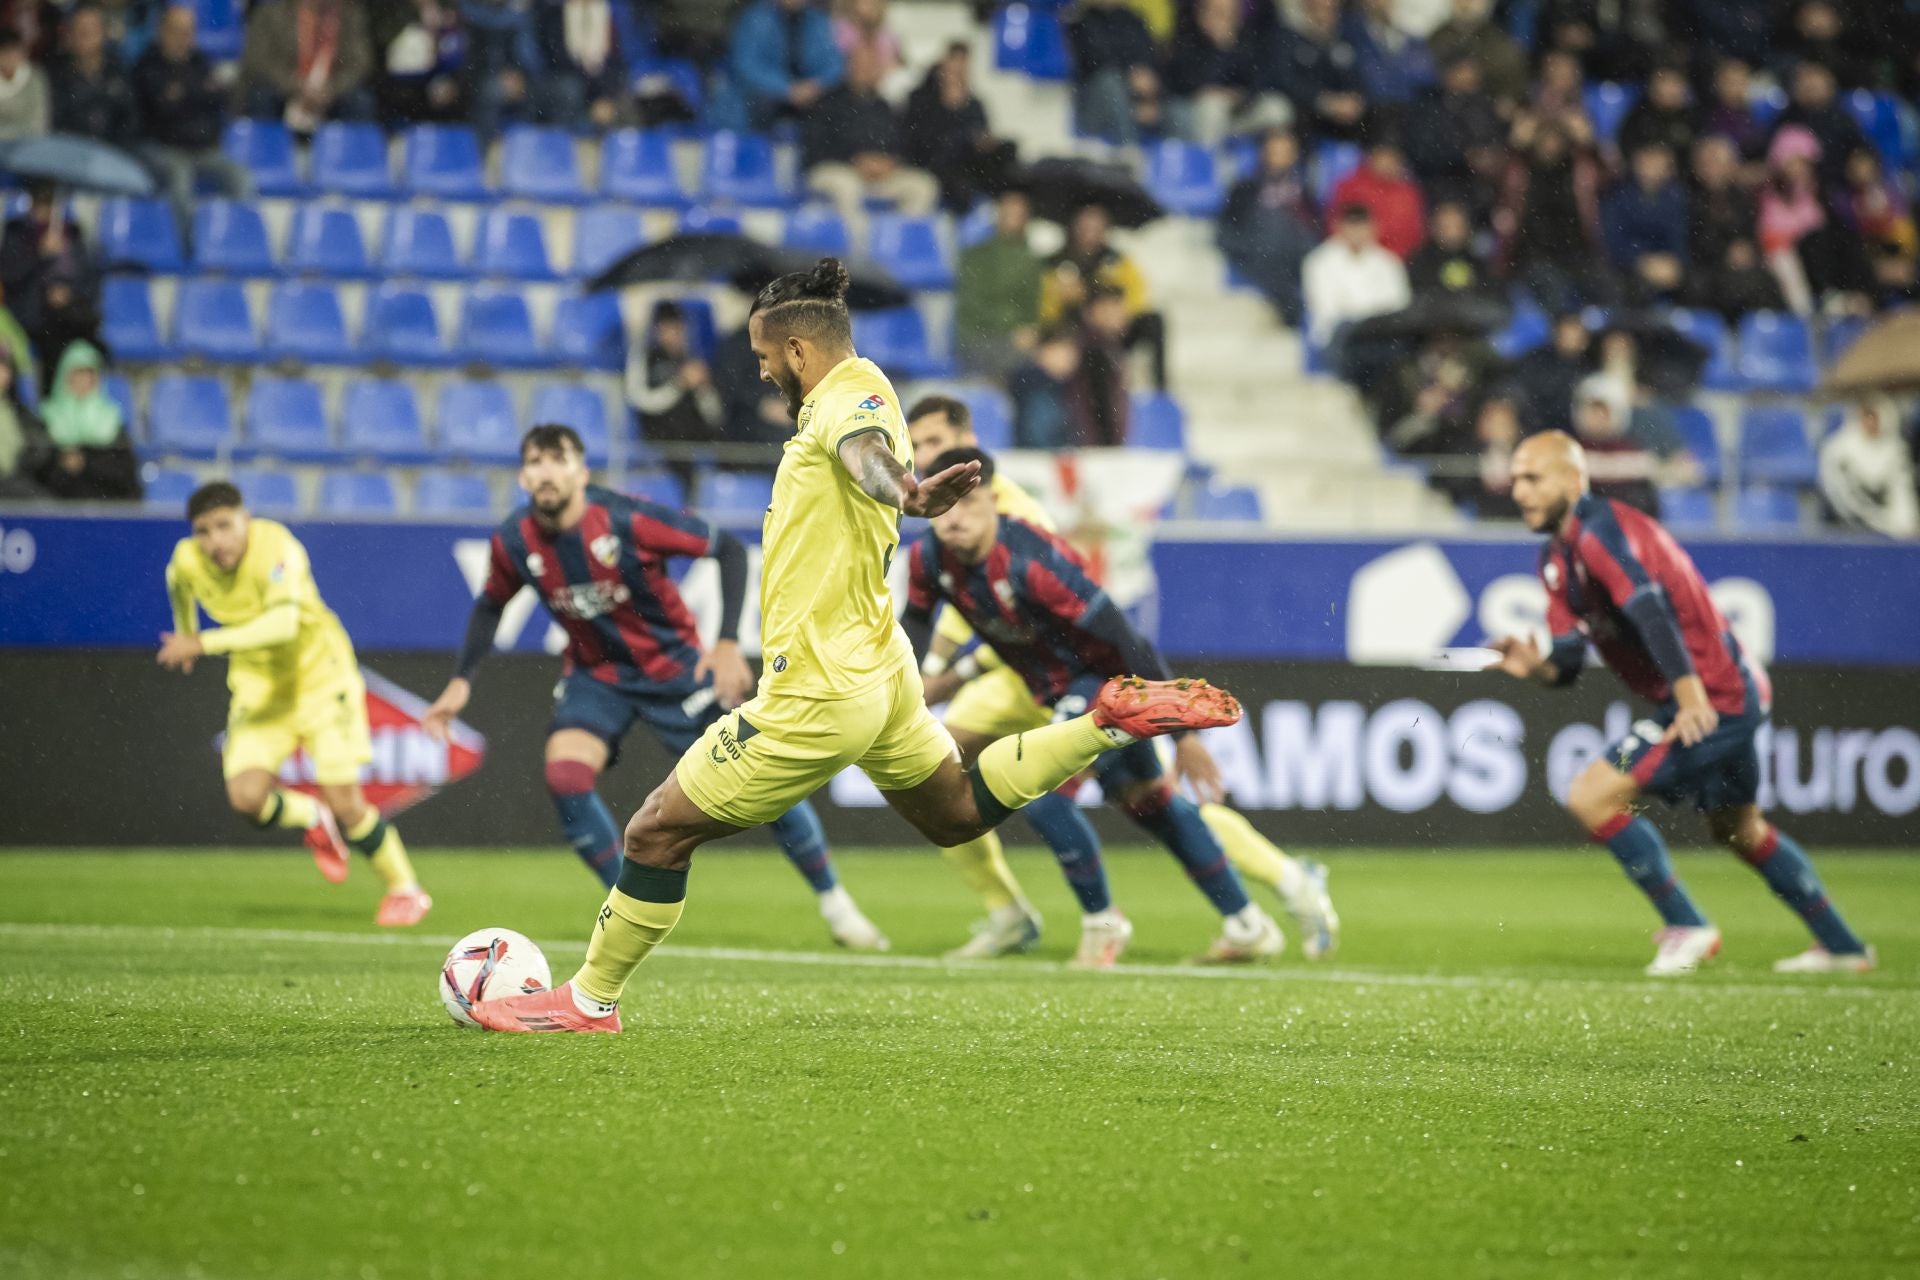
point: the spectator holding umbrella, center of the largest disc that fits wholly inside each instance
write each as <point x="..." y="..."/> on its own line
<point x="1088" y="260"/>
<point x="52" y="283"/>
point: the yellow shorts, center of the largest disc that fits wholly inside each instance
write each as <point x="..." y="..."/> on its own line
<point x="266" y="724"/>
<point x="758" y="761"/>
<point x="995" y="704"/>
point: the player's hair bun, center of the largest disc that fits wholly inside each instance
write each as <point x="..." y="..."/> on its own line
<point x="828" y="280"/>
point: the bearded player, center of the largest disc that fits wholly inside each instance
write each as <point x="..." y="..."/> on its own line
<point x="598" y="560"/>
<point x="986" y="700"/>
<point x="840" y="686"/>
<point x="294" y="681"/>
<point x="1615" y="578"/>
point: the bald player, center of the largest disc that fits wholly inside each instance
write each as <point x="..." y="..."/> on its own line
<point x="1616" y="579"/>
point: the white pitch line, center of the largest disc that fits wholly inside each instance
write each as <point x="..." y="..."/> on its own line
<point x="844" y="960"/>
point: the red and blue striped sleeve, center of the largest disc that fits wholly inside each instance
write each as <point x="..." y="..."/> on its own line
<point x="666" y="532"/>
<point x="503" y="574"/>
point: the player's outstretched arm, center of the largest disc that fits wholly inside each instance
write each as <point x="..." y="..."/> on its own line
<point x="482" y="622"/>
<point x="1520" y="657"/>
<point x="870" y="461"/>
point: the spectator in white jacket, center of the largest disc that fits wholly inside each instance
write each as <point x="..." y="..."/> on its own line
<point x="1350" y="277"/>
<point x="1866" y="471"/>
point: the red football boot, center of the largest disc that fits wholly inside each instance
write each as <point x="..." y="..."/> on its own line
<point x="1150" y="708"/>
<point x="541" y="1011"/>
<point x="329" y="849"/>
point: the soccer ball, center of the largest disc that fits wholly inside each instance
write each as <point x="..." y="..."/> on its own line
<point x="490" y="964"/>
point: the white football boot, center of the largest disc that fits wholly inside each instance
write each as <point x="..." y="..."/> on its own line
<point x="1312" y="910"/>
<point x="1246" y="936"/>
<point x="1821" y="960"/>
<point x="1683" y="949"/>
<point x="848" y="924"/>
<point x="1104" y="936"/>
<point x="1006" y="931"/>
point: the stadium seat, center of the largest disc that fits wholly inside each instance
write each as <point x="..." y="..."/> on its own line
<point x="169" y="488"/>
<point x="327" y="242"/>
<point x="1774" y="448"/>
<point x="1028" y="39"/>
<point x="1696" y="428"/>
<point x="540" y="164"/>
<point x="587" y="332"/>
<point x="702" y="333"/>
<point x="1776" y="353"/>
<point x="992" y="415"/>
<point x="118" y="390"/>
<point x="452" y="493"/>
<point x="140" y="233"/>
<point x="350" y="159"/>
<point x="380" y="416"/>
<point x="657" y="77"/>
<point x="1843" y="333"/>
<point x="267" y="491"/>
<point x="1607" y="107"/>
<point x="511" y="245"/>
<point x="910" y="250"/>
<point x="127" y="322"/>
<point x="637" y="165"/>
<point x="974" y="228"/>
<point x="816" y="228"/>
<point x="264" y="148"/>
<point x="1157" y="422"/>
<point x="443" y="160"/>
<point x="358" y="493"/>
<point x="1688" y="509"/>
<point x="703" y="221"/>
<point x="1527" y="328"/>
<point x="305" y="322"/>
<point x="735" y="497"/>
<point x="230" y="236"/>
<point x="496" y="328"/>
<point x="211" y="319"/>
<point x="188" y="414"/>
<point x="1182" y="176"/>
<point x="1232" y="502"/>
<point x="1332" y="161"/>
<point x="576" y="406"/>
<point x="1710" y="331"/>
<point x="403" y="327"/>
<point x="602" y="236"/>
<point x="661" y="487"/>
<point x="419" y="242"/>
<point x="897" y="339"/>
<point x="1764" y="509"/>
<point x="740" y="168"/>
<point x="219" y="28"/>
<point x="287" y="418"/>
<point x="476" y="420"/>
<point x="1878" y="115"/>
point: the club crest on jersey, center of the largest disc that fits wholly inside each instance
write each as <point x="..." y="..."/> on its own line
<point x="873" y="402"/>
<point x="779" y="663"/>
<point x="1552" y="575"/>
<point x="605" y="549"/>
<point x="1003" y="589"/>
<point x="536" y="564"/>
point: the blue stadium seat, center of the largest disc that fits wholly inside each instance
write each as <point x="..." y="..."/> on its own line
<point x="219" y="28"/>
<point x="118" y="390"/>
<point x="1696" y="428"/>
<point x="402" y="327"/>
<point x="327" y="242"/>
<point x="305" y="322"/>
<point x="264" y="148"/>
<point x="1688" y="509"/>
<point x="911" y="251"/>
<point x="1028" y="39"/>
<point x="1528" y="327"/>
<point x="573" y="405"/>
<point x="169" y="487"/>
<point x="230" y="236"/>
<point x="1774" y="448"/>
<point x="992" y="415"/>
<point x="381" y="417"/>
<point x="496" y="328"/>
<point x="735" y="497"/>
<point x="587" y="332"/>
<point x="1878" y="115"/>
<point x="701" y="220"/>
<point x="350" y="159"/>
<point x="739" y="168"/>
<point x="1843" y="333"/>
<point x="817" y="228"/>
<point x="1710" y="331"/>
<point x="1332" y="161"/>
<point x="897" y="339"/>
<point x="1157" y="422"/>
<point x="270" y="492"/>
<point x="1767" y="104"/>
<point x="603" y="235"/>
<point x="661" y="487"/>
<point x="127" y="321"/>
<point x="358" y="493"/>
<point x="1607" y="107"/>
<point x="476" y="420"/>
<point x="211" y="318"/>
<point x="1776" y="353"/>
<point x="1766" y="510"/>
<point x="437" y="492"/>
<point x="140" y="233"/>
<point x="637" y="165"/>
<point x="540" y="164"/>
<point x="287" y="417"/>
<point x="680" y="78"/>
<point x="1182" y="176"/>
<point x="513" y="245"/>
<point x="1231" y="502"/>
<point x="975" y="227"/>
<point x="188" y="414"/>
<point x="443" y="160"/>
<point x="419" y="242"/>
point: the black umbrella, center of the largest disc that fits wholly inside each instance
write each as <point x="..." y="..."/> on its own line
<point x="746" y="264"/>
<point x="1669" y="361"/>
<point x="1442" y="313"/>
<point x="1061" y="186"/>
<point x="74" y="161"/>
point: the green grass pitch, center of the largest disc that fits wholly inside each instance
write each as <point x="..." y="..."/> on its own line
<point x="212" y="1065"/>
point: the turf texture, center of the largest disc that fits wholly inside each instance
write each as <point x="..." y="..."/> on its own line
<point x="213" y="1065"/>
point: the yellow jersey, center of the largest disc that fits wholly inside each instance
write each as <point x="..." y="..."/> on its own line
<point x="827" y="626"/>
<point x="273" y="574"/>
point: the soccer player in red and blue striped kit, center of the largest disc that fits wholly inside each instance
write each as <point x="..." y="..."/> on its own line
<point x="598" y="561"/>
<point x="1616" y="579"/>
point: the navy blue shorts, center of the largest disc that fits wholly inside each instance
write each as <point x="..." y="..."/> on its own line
<point x="677" y="712"/>
<point x="1119" y="768"/>
<point x="1721" y="770"/>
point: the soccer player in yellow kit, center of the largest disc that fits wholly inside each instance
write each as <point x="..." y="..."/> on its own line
<point x="294" y="681"/>
<point x="840" y="685"/>
<point x="986" y="699"/>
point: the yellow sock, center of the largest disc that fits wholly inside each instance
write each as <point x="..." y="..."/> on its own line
<point x="382" y="846"/>
<point x="294" y="810"/>
<point x="983" y="865"/>
<point x="1250" y="852"/>
<point x="1018" y="770"/>
<point x="629" y="928"/>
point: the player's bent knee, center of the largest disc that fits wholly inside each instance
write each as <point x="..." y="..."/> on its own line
<point x="248" y="795"/>
<point x="1600" y="793"/>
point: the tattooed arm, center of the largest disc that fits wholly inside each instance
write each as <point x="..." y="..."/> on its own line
<point x="868" y="458"/>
